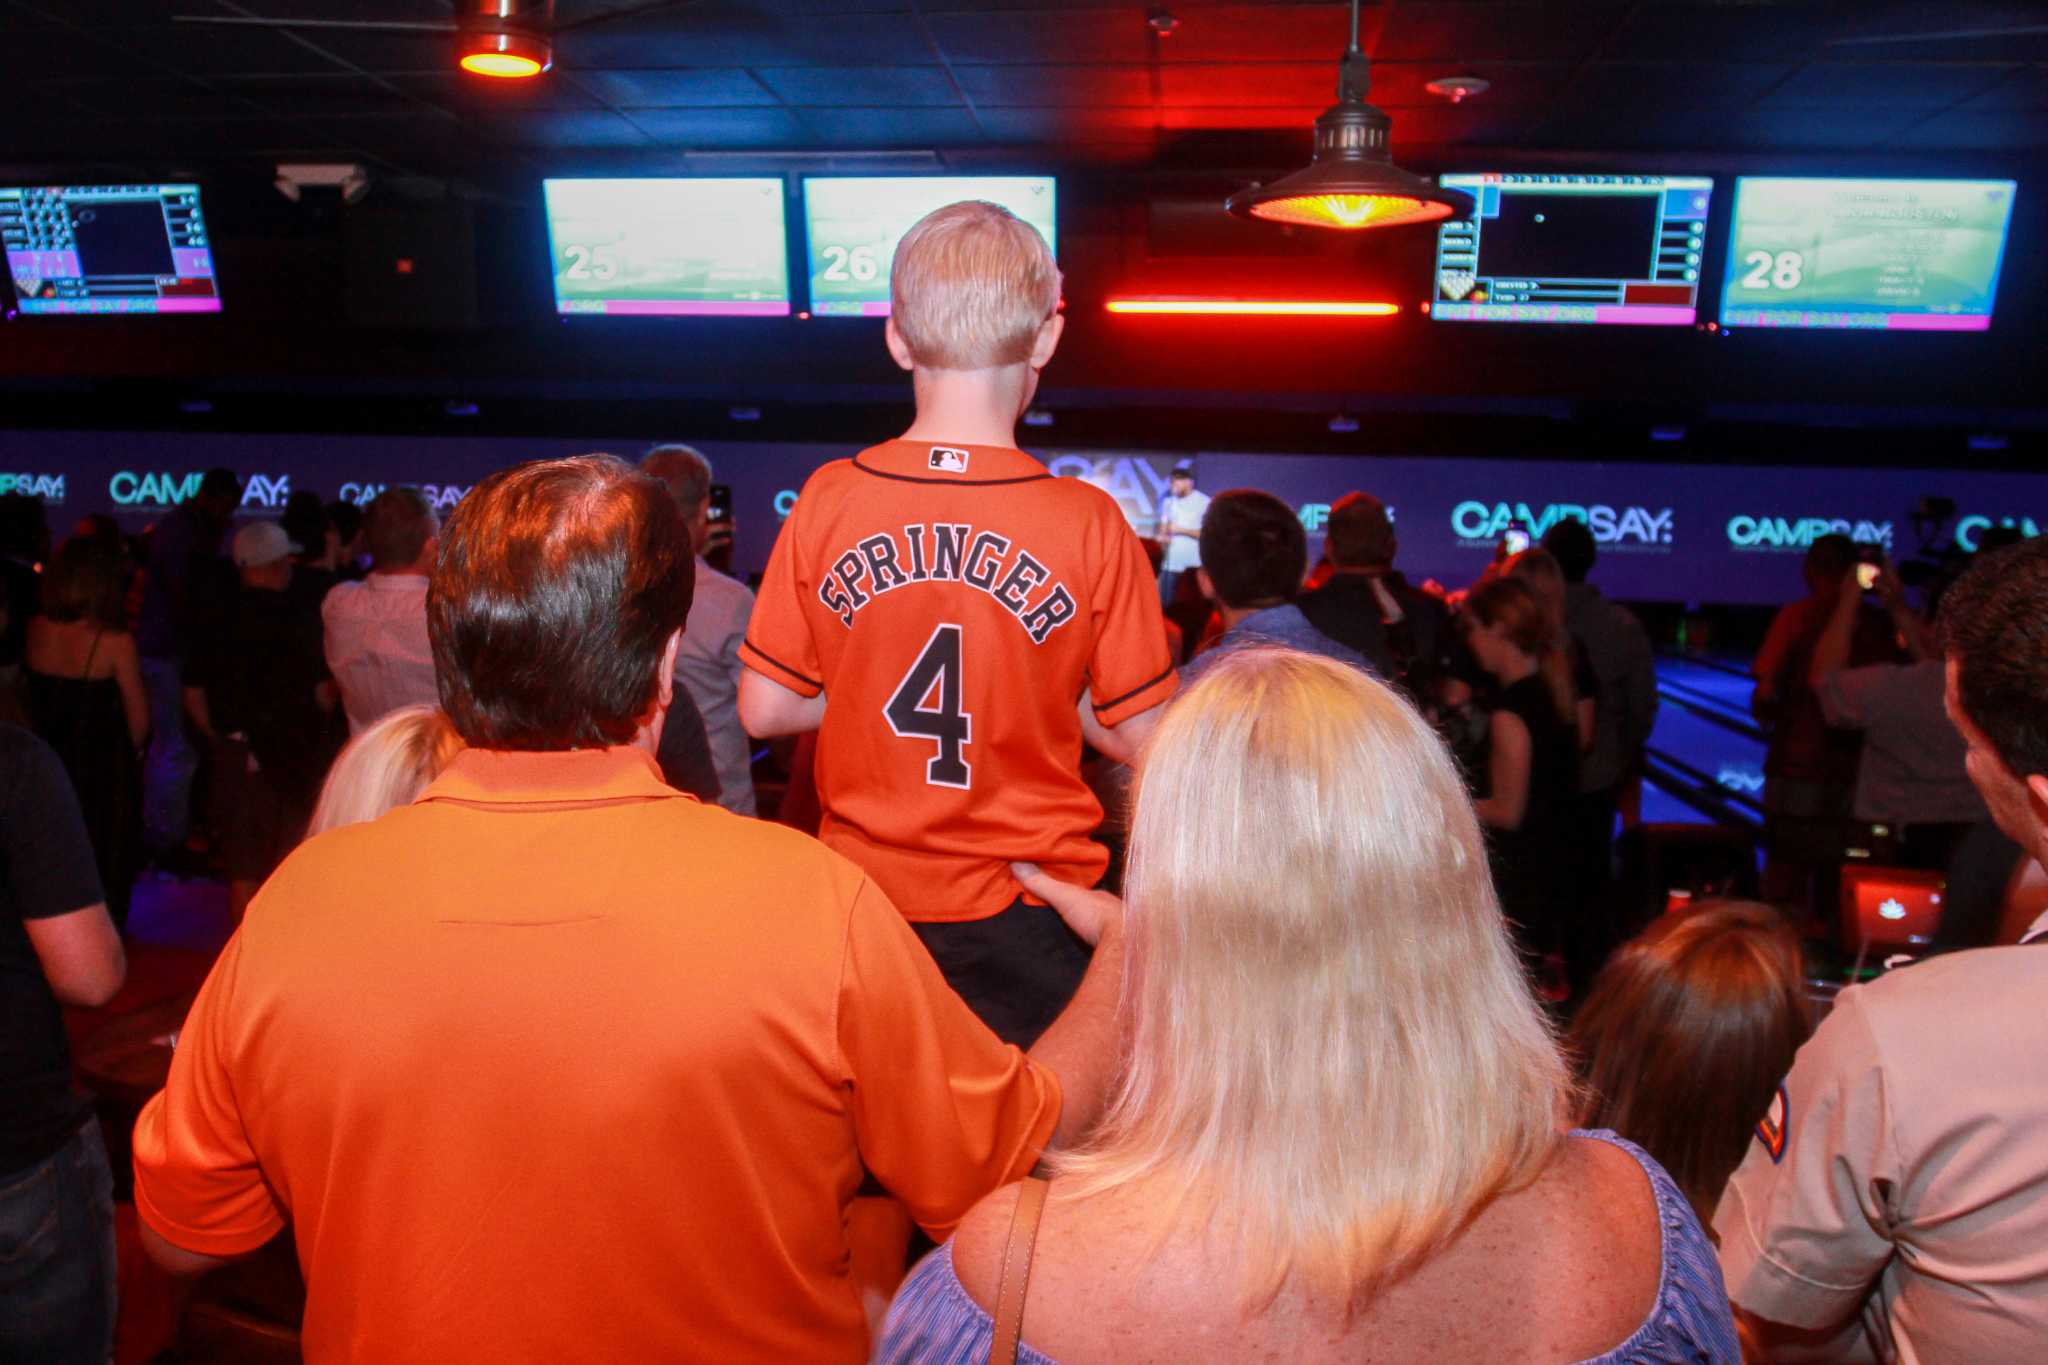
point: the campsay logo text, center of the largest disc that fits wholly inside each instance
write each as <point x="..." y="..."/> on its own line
<point x="1970" y="529"/>
<point x="1481" y="524"/>
<point x="442" y="497"/>
<point x="1769" y="534"/>
<point x="132" y="488"/>
<point x="48" y="487"/>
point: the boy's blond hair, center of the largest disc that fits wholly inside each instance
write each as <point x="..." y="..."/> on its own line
<point x="971" y="285"/>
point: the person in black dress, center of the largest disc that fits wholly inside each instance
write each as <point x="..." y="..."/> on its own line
<point x="1533" y="763"/>
<point x="86" y="701"/>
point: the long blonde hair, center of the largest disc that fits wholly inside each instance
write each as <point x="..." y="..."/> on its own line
<point x="1332" y="1050"/>
<point x="1539" y="568"/>
<point x="389" y="764"/>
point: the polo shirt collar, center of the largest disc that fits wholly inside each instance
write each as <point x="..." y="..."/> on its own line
<point x="553" y="777"/>
<point x="920" y="462"/>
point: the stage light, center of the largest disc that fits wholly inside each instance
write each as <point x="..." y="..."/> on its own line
<point x="506" y="55"/>
<point x="1270" y="308"/>
<point x="1351" y="182"/>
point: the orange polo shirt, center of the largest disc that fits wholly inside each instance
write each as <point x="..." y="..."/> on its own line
<point x="559" y="1064"/>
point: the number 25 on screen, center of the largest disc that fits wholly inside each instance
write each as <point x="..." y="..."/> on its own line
<point x="590" y="263"/>
<point x="1782" y="271"/>
<point x="857" y="263"/>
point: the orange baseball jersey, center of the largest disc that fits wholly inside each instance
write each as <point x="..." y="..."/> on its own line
<point x="953" y="603"/>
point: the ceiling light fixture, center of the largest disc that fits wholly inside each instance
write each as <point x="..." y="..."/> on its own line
<point x="505" y="39"/>
<point x="1271" y="308"/>
<point x="1352" y="182"/>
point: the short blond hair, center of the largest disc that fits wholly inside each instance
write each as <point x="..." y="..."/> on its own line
<point x="1332" y="1047"/>
<point x="386" y="766"/>
<point x="970" y="286"/>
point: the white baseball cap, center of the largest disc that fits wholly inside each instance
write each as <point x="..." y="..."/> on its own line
<point x="260" y="543"/>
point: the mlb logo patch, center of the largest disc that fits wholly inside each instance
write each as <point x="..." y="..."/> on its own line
<point x="1771" y="1128"/>
<point x="948" y="460"/>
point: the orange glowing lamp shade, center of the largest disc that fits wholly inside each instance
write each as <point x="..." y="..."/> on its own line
<point x="503" y="65"/>
<point x="1260" y="308"/>
<point x="505" y="56"/>
<point x="1350" y="211"/>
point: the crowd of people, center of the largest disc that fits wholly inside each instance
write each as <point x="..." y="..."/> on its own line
<point x="541" y="1043"/>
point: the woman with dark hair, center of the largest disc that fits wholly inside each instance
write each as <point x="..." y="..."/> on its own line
<point x="1532" y="764"/>
<point x="1687" y="1034"/>
<point x="86" y="700"/>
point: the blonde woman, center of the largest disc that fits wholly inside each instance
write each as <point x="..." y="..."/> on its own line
<point x="387" y="765"/>
<point x="1340" y="1132"/>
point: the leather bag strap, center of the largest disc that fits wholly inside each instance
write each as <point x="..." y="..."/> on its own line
<point x="1015" y="1280"/>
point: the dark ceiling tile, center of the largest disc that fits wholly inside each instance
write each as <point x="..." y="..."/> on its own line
<point x="1302" y="116"/>
<point x="208" y="51"/>
<point x="568" y="130"/>
<point x="2026" y="88"/>
<point x="1789" y="130"/>
<point x="342" y="96"/>
<point x="871" y="86"/>
<point x="722" y="128"/>
<point x="1058" y="127"/>
<point x="1057" y="86"/>
<point x="1904" y="85"/>
<point x="1724" y="32"/>
<point x="726" y="33"/>
<point x="1244" y="83"/>
<point x="886" y="128"/>
<point x="42" y="52"/>
<point x="1615" y="88"/>
<point x="679" y="88"/>
<point x="1470" y="32"/>
<point x="1069" y="36"/>
<point x="1257" y="33"/>
<point x="1970" y="130"/>
<point x="476" y="94"/>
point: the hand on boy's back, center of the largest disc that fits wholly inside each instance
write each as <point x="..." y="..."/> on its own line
<point x="1093" y="915"/>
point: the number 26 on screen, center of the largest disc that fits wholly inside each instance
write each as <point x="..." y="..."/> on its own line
<point x="856" y="263"/>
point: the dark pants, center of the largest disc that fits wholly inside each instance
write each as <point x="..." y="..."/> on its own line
<point x="1016" y="970"/>
<point x="57" y="1257"/>
<point x="1590" y="929"/>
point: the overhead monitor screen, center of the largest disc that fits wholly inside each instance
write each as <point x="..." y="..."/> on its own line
<point x="852" y="226"/>
<point x="669" y="248"/>
<point x="1900" y="255"/>
<point x="108" y="249"/>
<point x="1574" y="248"/>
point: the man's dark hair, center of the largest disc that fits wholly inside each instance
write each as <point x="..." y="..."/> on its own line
<point x="1828" y="561"/>
<point x="221" y="485"/>
<point x="1360" y="534"/>
<point x="556" y="588"/>
<point x="24" y="526"/>
<point x="1995" y="620"/>
<point x="305" y="521"/>
<point x="396" y="526"/>
<point x="1570" y="542"/>
<point x="1253" y="548"/>
<point x="346" y="518"/>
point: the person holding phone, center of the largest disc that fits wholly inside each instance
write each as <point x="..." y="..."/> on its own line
<point x="1180" y="530"/>
<point x="1912" y="778"/>
<point x="1809" y="766"/>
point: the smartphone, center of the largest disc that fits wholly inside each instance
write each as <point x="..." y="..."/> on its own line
<point x="719" y="507"/>
<point x="1515" y="540"/>
<point x="1869" y="564"/>
<point x="1866" y="576"/>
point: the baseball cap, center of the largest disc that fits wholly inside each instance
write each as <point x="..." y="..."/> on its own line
<point x="260" y="543"/>
<point x="1183" y="470"/>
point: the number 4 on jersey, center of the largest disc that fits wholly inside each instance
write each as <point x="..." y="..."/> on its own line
<point x="935" y="675"/>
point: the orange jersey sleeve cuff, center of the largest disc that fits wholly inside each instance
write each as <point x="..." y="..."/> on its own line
<point x="1118" y="709"/>
<point x="772" y="668"/>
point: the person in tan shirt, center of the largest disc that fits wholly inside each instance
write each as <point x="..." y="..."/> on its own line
<point x="1894" y="1205"/>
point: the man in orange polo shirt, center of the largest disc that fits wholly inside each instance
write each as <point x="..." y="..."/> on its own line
<point x="953" y="620"/>
<point x="557" y="1063"/>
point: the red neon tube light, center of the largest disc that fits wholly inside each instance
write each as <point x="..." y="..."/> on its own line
<point x="1270" y="308"/>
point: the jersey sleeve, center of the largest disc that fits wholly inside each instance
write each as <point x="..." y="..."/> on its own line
<point x="944" y="1111"/>
<point x="778" y="642"/>
<point x="1802" y="1223"/>
<point x="197" y="1181"/>
<point x="1129" y="668"/>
